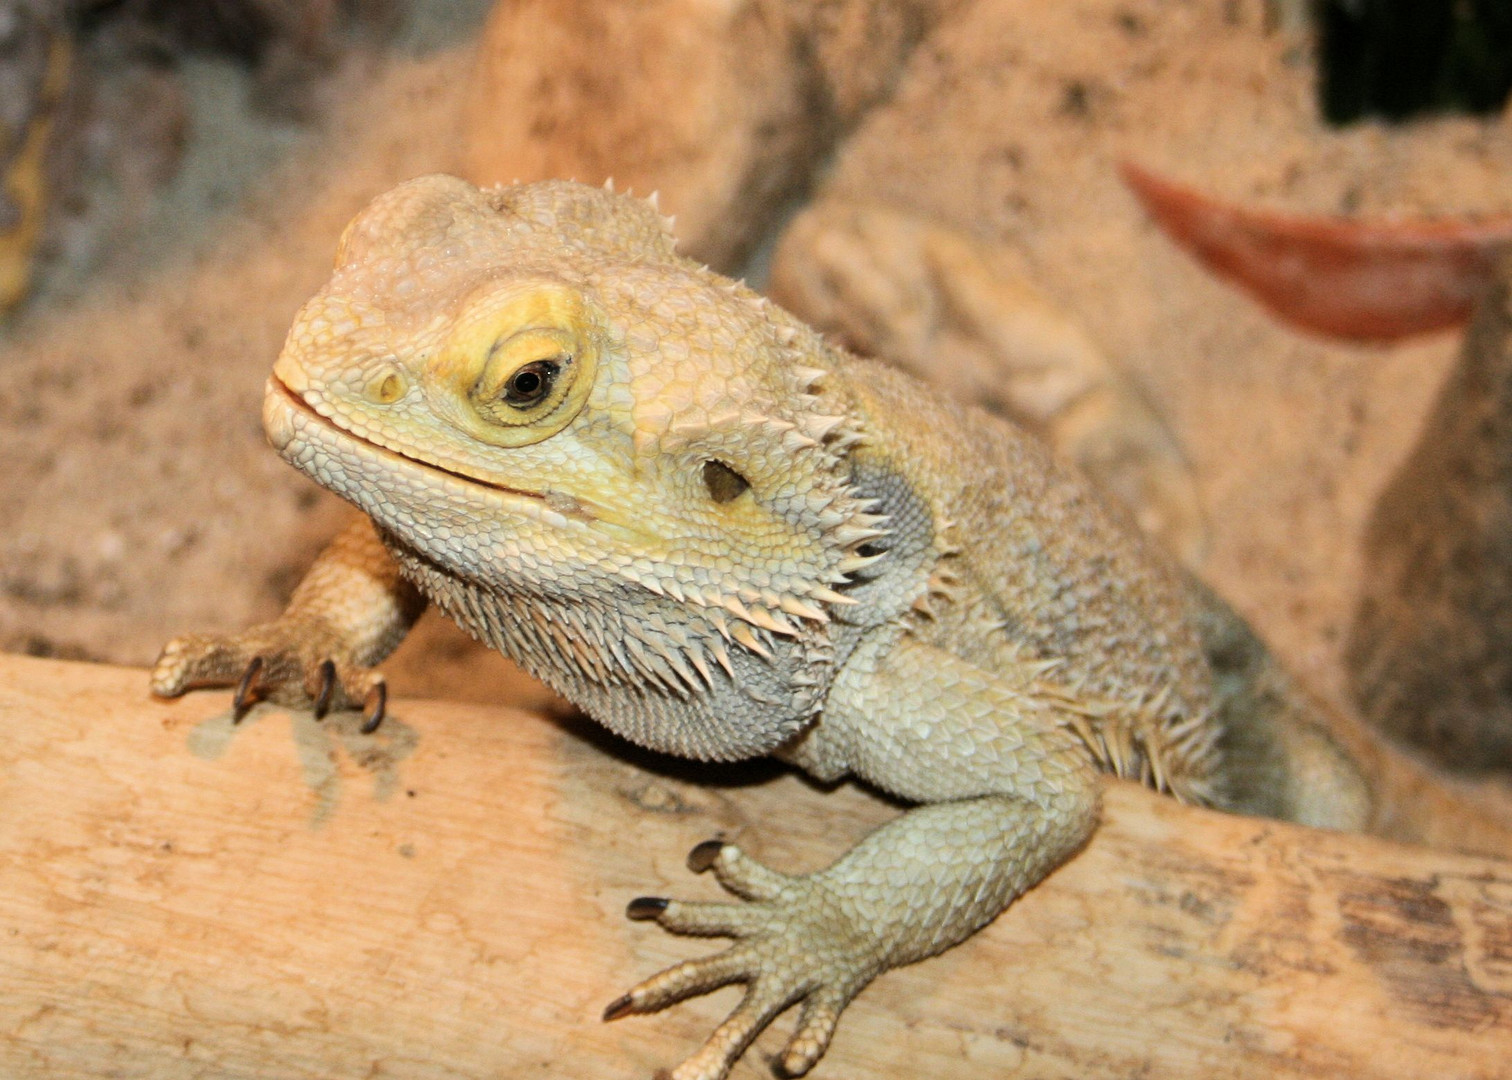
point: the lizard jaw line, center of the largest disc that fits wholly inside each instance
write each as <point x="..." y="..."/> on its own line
<point x="295" y="403"/>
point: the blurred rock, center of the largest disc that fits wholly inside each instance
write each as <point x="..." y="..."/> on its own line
<point x="288" y="43"/>
<point x="965" y="314"/>
<point x="36" y="57"/>
<point x="93" y="113"/>
<point x="1430" y="651"/>
<point x="726" y="110"/>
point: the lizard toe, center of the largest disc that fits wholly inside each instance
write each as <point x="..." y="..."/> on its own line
<point x="195" y="660"/>
<point x="374" y="714"/>
<point x="816" y="1026"/>
<point x="756" y="1010"/>
<point x="246" y="690"/>
<point x="738" y="873"/>
<point x="681" y="981"/>
<point x="699" y="919"/>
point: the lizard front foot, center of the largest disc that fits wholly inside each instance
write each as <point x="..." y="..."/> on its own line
<point x="290" y="662"/>
<point x="348" y="613"/>
<point x="796" y="941"/>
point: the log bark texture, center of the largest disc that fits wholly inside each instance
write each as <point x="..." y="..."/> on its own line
<point x="285" y="899"/>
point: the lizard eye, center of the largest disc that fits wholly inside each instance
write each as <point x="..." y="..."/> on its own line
<point x="531" y="383"/>
<point x="723" y="482"/>
<point x="526" y="380"/>
<point x="517" y="362"/>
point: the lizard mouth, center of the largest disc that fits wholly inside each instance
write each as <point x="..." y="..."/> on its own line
<point x="287" y="414"/>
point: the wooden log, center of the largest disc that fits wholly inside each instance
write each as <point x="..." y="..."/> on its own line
<point x="285" y="899"/>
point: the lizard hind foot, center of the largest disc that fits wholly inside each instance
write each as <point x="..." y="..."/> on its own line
<point x="794" y="944"/>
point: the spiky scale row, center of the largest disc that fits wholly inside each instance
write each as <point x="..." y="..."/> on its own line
<point x="1174" y="753"/>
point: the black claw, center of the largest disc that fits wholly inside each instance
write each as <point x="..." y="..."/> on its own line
<point x="702" y="857"/>
<point x="327" y="687"/>
<point x="380" y="708"/>
<point x="619" y="1007"/>
<point x="243" y="701"/>
<point x="646" y="908"/>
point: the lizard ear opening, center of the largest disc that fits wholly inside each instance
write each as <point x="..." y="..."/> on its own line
<point x="723" y="482"/>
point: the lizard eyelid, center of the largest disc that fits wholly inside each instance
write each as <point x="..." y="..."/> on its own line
<point x="723" y="482"/>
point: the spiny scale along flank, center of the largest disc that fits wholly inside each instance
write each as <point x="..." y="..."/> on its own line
<point x="1173" y="752"/>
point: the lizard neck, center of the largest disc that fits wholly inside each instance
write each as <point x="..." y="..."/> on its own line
<point x="654" y="670"/>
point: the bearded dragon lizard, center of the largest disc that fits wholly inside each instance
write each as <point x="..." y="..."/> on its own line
<point x="724" y="537"/>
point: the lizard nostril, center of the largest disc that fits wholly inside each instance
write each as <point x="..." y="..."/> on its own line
<point x="386" y="388"/>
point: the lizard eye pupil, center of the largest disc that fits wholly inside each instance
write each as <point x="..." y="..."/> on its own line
<point x="531" y="383"/>
<point x="723" y="482"/>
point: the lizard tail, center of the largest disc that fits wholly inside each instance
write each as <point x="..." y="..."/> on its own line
<point x="1290" y="756"/>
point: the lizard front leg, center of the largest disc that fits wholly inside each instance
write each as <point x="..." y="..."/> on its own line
<point x="1012" y="793"/>
<point x="349" y="612"/>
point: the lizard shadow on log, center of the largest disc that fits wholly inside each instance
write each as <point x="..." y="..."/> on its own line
<point x="724" y="775"/>
<point x="316" y="743"/>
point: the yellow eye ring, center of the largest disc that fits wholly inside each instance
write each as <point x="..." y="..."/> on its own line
<point x="521" y="357"/>
<point x="526" y="376"/>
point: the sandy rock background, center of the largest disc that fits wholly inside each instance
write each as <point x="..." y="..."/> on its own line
<point x="137" y="499"/>
<point x="137" y="496"/>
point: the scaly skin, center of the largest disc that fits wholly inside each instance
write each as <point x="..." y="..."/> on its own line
<point x="724" y="538"/>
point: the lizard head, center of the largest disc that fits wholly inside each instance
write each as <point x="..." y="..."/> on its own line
<point x="542" y="406"/>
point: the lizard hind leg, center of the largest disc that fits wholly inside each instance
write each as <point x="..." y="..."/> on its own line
<point x="909" y="890"/>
